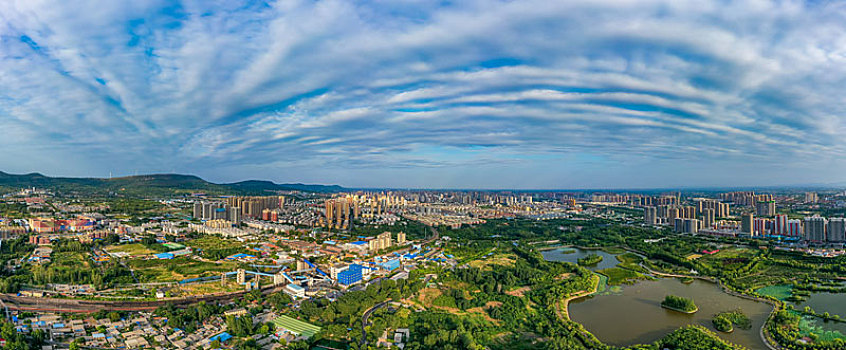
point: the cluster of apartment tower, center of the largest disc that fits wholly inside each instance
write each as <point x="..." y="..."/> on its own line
<point x="703" y="214"/>
<point x="814" y="228"/>
<point x="235" y="209"/>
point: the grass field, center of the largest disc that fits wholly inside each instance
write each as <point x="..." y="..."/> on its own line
<point x="296" y="326"/>
<point x="133" y="249"/>
<point x="212" y="243"/>
<point x="71" y="261"/>
<point x="177" y="269"/>
<point x="498" y="259"/>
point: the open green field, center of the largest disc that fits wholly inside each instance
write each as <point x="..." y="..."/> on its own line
<point x="177" y="269"/>
<point x="213" y="247"/>
<point x="496" y="259"/>
<point x="133" y="249"/>
<point x="730" y="257"/>
<point x="296" y="326"/>
<point x="70" y="261"/>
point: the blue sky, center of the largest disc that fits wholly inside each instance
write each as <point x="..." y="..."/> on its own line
<point x="473" y="94"/>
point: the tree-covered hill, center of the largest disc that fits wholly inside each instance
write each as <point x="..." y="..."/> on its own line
<point x="154" y="185"/>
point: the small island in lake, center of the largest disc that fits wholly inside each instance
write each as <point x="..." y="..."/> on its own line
<point x="725" y="321"/>
<point x="679" y="304"/>
<point x="591" y="259"/>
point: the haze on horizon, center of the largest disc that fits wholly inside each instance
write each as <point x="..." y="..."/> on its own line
<point x="470" y="94"/>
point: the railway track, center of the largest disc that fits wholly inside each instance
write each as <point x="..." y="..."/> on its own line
<point x="21" y="303"/>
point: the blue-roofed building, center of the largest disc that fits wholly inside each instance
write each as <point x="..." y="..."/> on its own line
<point x="390" y="265"/>
<point x="164" y="256"/>
<point x="223" y="337"/>
<point x="350" y="276"/>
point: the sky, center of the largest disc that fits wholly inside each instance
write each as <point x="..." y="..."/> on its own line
<point x="428" y="94"/>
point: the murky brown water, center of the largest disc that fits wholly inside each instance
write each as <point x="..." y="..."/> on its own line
<point x="635" y="316"/>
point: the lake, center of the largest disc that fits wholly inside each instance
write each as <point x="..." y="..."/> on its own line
<point x="634" y="314"/>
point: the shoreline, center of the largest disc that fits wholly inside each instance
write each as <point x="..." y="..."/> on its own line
<point x="680" y="310"/>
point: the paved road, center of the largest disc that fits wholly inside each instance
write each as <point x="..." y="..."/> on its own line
<point x="364" y="318"/>
<point x="435" y="235"/>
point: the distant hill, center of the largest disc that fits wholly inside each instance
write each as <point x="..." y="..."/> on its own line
<point x="260" y="185"/>
<point x="154" y="185"/>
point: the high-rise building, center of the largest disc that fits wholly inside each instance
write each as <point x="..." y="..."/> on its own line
<point x="794" y="227"/>
<point x="815" y="228"/>
<point x="708" y="218"/>
<point x="672" y="214"/>
<point x="401" y="238"/>
<point x="836" y="230"/>
<point x="252" y="206"/>
<point x="235" y="215"/>
<point x="721" y="210"/>
<point x="198" y="210"/>
<point x="385" y="240"/>
<point x="650" y="215"/>
<point x="811" y="197"/>
<point x="684" y="225"/>
<point x="780" y="225"/>
<point x="762" y="226"/>
<point x="746" y="222"/>
<point x="330" y="211"/>
<point x="765" y="208"/>
<point x="207" y="210"/>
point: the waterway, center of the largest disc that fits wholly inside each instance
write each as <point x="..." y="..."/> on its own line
<point x="633" y="314"/>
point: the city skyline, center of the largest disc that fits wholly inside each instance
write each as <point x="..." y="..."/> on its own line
<point x="482" y="94"/>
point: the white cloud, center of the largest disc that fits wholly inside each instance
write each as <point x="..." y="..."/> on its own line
<point x="220" y="85"/>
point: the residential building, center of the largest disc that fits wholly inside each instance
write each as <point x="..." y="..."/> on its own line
<point x="815" y="228"/>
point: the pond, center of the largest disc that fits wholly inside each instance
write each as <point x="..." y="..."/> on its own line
<point x="833" y="303"/>
<point x="608" y="260"/>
